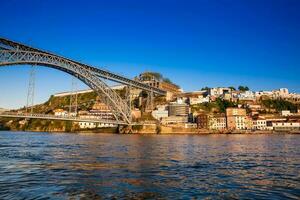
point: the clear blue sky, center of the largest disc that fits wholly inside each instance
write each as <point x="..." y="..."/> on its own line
<point x="194" y="43"/>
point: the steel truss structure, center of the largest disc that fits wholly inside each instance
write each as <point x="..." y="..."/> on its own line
<point x="119" y="107"/>
<point x="14" y="53"/>
<point x="63" y="118"/>
<point x="10" y="45"/>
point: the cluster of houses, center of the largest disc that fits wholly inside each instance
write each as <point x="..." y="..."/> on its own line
<point x="99" y="110"/>
<point x="237" y="119"/>
<point x="178" y="112"/>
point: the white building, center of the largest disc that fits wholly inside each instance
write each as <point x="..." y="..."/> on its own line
<point x="217" y="122"/>
<point x="286" y="113"/>
<point x="259" y="124"/>
<point x="246" y="95"/>
<point x="286" y="126"/>
<point x="190" y="125"/>
<point x="282" y="92"/>
<point x="240" y="122"/>
<point x="219" y="91"/>
<point x="161" y="112"/>
<point x="91" y="125"/>
<point x="195" y="97"/>
<point x="62" y="94"/>
<point x="60" y="113"/>
<point x="198" y="100"/>
<point x="263" y="93"/>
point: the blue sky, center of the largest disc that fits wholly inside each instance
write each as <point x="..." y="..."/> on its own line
<point x="194" y="43"/>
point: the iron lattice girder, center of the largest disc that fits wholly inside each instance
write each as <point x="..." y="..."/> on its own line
<point x="11" y="45"/>
<point x="119" y="107"/>
<point x="52" y="117"/>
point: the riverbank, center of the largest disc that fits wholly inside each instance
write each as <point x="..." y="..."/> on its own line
<point x="150" y="129"/>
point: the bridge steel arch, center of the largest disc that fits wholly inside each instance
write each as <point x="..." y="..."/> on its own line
<point x="120" y="108"/>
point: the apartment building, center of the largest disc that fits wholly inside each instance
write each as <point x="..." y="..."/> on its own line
<point x="286" y="126"/>
<point x="217" y="122"/>
<point x="259" y="124"/>
<point x="212" y="122"/>
<point x="236" y="118"/>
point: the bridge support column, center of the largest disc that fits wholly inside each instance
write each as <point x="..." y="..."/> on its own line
<point x="73" y="98"/>
<point x="128" y="100"/>
<point x="30" y="92"/>
<point x="150" y="101"/>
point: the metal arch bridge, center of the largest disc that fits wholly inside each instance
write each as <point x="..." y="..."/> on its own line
<point x="14" y="53"/>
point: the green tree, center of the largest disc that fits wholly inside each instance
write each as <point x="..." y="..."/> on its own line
<point x="232" y="88"/>
<point x="243" y="88"/>
<point x="279" y="105"/>
<point x="223" y="104"/>
<point x="205" y="88"/>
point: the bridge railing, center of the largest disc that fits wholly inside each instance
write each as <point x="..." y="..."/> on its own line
<point x="55" y="117"/>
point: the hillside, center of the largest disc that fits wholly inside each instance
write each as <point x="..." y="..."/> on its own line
<point x="85" y="101"/>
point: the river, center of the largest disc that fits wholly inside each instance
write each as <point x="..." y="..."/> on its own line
<point x="108" y="166"/>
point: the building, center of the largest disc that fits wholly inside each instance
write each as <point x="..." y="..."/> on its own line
<point x="175" y="120"/>
<point x="101" y="110"/>
<point x="150" y="79"/>
<point x="236" y="118"/>
<point x="219" y="91"/>
<point x="198" y="100"/>
<point x="217" y="122"/>
<point x="192" y="98"/>
<point x="282" y="92"/>
<point x="160" y="112"/>
<point x="60" y="113"/>
<point x="259" y="124"/>
<point x="202" y="121"/>
<point x="92" y="125"/>
<point x="285" y="113"/>
<point x="246" y="96"/>
<point x="255" y="107"/>
<point x="63" y="94"/>
<point x="227" y="96"/>
<point x="178" y="109"/>
<point x="190" y="125"/>
<point x="286" y="126"/>
<point x="169" y="87"/>
<point x="212" y="122"/>
<point x="263" y="93"/>
<point x="273" y="119"/>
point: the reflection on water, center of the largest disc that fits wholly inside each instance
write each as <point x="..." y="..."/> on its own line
<point x="104" y="166"/>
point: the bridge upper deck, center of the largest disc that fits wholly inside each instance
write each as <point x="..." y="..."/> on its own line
<point x="8" y="44"/>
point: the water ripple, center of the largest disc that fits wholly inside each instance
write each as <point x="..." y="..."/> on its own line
<point x="99" y="166"/>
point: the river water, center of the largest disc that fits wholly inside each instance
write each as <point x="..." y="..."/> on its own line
<point x="107" y="166"/>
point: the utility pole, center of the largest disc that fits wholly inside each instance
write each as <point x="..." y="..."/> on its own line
<point x="30" y="92"/>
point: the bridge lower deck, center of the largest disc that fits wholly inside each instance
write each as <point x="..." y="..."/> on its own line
<point x="62" y="118"/>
